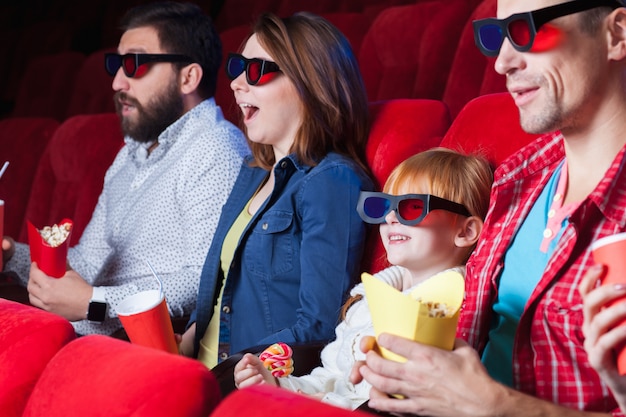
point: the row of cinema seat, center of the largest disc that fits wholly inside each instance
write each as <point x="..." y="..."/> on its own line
<point x="47" y="371"/>
<point x="420" y="50"/>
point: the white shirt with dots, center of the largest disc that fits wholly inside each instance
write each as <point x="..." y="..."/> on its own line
<point x="162" y="208"/>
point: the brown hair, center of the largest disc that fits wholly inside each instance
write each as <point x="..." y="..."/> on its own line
<point x="464" y="179"/>
<point x="318" y="60"/>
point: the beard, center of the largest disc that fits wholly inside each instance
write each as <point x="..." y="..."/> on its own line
<point x="152" y="119"/>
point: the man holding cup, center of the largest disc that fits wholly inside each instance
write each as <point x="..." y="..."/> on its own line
<point x="163" y="194"/>
<point x="520" y="349"/>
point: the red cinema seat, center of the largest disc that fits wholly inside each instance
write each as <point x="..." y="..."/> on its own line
<point x="44" y="87"/>
<point x="98" y="375"/>
<point x="408" y="50"/>
<point x="23" y="141"/>
<point x="29" y="338"/>
<point x="91" y="91"/>
<point x="472" y="74"/>
<point x="71" y="172"/>
<point x="400" y="128"/>
<point x="488" y="125"/>
<point x="264" y="400"/>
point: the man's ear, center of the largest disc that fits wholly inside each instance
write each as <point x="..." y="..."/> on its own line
<point x="617" y="34"/>
<point x="469" y="232"/>
<point x="190" y="77"/>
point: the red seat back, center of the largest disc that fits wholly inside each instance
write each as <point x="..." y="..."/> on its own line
<point x="472" y="74"/>
<point x="29" y="338"/>
<point x="91" y="91"/>
<point x="408" y="50"/>
<point x="488" y="125"/>
<point x="70" y="175"/>
<point x="400" y="128"/>
<point x="100" y="375"/>
<point x="44" y="86"/>
<point x="23" y="141"/>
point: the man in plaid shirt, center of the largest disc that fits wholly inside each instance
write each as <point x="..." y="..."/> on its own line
<point x="520" y="348"/>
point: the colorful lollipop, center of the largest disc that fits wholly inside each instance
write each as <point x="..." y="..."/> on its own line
<point x="277" y="359"/>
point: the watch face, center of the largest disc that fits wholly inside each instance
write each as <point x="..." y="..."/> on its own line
<point x="97" y="311"/>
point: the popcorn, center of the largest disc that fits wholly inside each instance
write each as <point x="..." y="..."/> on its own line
<point x="438" y="310"/>
<point x="277" y="359"/>
<point x="56" y="235"/>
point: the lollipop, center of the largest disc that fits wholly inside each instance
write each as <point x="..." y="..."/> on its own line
<point x="277" y="359"/>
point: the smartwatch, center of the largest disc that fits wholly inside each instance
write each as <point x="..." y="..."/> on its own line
<point x="97" y="311"/>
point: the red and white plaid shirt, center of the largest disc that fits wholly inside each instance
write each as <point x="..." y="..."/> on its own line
<point x="549" y="361"/>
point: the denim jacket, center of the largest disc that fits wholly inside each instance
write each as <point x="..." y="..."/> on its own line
<point x="295" y="260"/>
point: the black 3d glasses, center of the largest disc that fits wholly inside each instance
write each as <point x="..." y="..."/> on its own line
<point x="255" y="68"/>
<point x="410" y="209"/>
<point x="521" y="28"/>
<point x="134" y="65"/>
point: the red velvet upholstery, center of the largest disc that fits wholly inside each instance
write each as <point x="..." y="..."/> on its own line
<point x="35" y="39"/>
<point x="70" y="175"/>
<point x="91" y="91"/>
<point x="353" y="25"/>
<point x="400" y="128"/>
<point x="408" y="50"/>
<point x="264" y="401"/>
<point x="101" y="376"/>
<point x="22" y="142"/>
<point x="488" y="125"/>
<point x="242" y="12"/>
<point x="472" y="74"/>
<point x="43" y="89"/>
<point x="29" y="338"/>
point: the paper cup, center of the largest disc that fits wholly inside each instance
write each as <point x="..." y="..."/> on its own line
<point x="147" y="321"/>
<point x="611" y="251"/>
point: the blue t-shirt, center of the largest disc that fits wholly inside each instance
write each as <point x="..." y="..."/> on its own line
<point x="524" y="264"/>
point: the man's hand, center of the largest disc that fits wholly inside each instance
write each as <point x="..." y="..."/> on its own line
<point x="67" y="296"/>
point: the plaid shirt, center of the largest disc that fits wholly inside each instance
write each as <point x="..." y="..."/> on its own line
<point x="549" y="361"/>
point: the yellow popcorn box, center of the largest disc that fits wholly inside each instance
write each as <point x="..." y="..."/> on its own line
<point x="429" y="314"/>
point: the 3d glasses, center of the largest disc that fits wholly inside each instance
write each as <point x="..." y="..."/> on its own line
<point x="135" y="65"/>
<point x="521" y="28"/>
<point x="255" y="68"/>
<point x="410" y="209"/>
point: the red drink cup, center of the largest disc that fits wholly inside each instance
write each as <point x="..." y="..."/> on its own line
<point x="611" y="251"/>
<point x="147" y="321"/>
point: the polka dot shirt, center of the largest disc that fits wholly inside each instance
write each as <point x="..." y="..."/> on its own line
<point x="162" y="208"/>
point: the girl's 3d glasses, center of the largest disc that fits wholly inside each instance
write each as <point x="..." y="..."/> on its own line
<point x="255" y="68"/>
<point x="521" y="28"/>
<point x="134" y="65"/>
<point x="410" y="209"/>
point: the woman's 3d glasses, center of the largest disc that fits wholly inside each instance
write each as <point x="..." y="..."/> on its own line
<point x="410" y="209"/>
<point x="521" y="28"/>
<point x="255" y="68"/>
<point x="134" y="65"/>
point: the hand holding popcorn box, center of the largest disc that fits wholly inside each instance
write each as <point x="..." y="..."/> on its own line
<point x="49" y="246"/>
<point x="429" y="314"/>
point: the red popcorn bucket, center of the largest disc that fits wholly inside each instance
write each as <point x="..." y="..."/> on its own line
<point x="50" y="254"/>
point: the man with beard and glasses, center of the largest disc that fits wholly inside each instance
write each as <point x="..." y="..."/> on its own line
<point x="163" y="194"/>
<point x="523" y="330"/>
